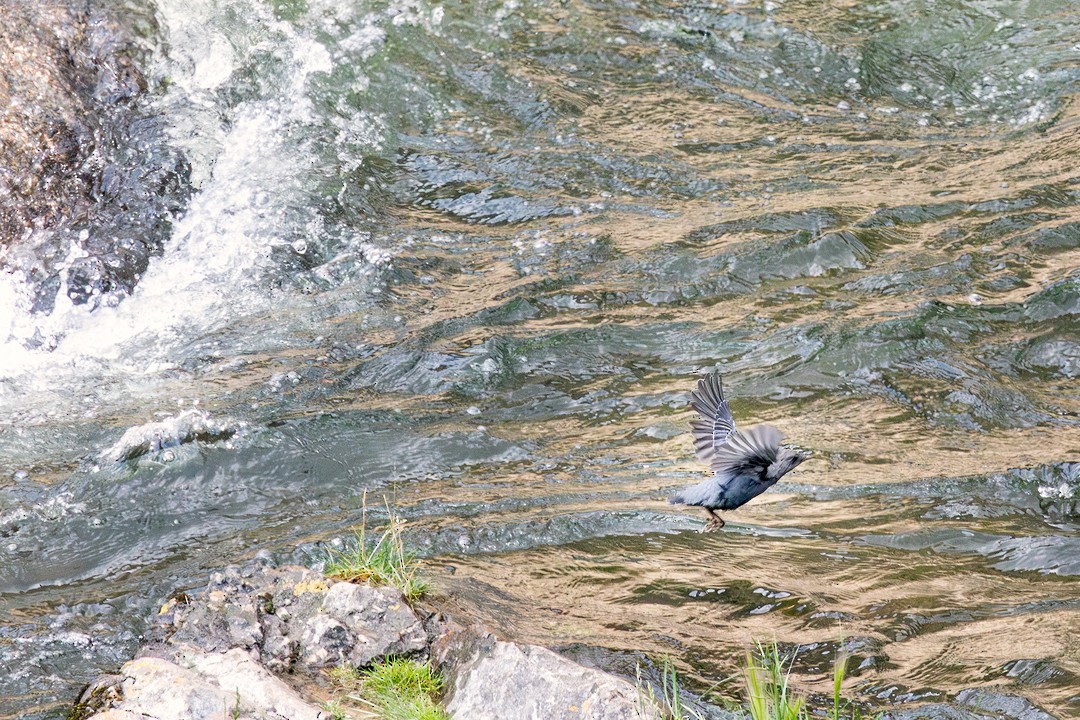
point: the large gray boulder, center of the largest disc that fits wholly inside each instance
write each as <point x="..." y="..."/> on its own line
<point x="495" y="680"/>
<point x="358" y="624"/>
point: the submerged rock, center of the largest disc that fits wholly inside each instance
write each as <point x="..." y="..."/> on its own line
<point x="155" y="437"/>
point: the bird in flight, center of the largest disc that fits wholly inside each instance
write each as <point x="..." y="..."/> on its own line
<point x="744" y="464"/>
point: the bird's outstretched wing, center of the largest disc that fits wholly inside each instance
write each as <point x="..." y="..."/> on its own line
<point x="712" y="429"/>
<point x="750" y="451"/>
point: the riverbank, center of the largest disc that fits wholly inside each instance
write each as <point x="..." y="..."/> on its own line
<point x="262" y="642"/>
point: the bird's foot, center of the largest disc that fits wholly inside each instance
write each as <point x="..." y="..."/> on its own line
<point x="714" y="524"/>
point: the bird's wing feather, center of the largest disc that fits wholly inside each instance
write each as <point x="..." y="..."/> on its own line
<point x="756" y="448"/>
<point x="715" y="425"/>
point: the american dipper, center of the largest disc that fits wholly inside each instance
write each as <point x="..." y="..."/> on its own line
<point x="744" y="464"/>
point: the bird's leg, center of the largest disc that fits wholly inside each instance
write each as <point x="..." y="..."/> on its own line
<point x="715" y="522"/>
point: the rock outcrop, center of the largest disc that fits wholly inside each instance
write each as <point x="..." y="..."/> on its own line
<point x="255" y="643"/>
<point x="252" y="646"/>
<point x="292" y="619"/>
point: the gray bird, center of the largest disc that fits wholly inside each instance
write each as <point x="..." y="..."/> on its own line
<point x="744" y="464"/>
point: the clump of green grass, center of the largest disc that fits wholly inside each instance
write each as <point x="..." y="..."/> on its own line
<point x="396" y="689"/>
<point x="335" y="710"/>
<point x="768" y="692"/>
<point x="402" y="676"/>
<point x="385" y="561"/>
<point x="669" y="704"/>
<point x="770" y="696"/>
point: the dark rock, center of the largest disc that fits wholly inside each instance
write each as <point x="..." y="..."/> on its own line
<point x="986" y="700"/>
<point x="85" y="164"/>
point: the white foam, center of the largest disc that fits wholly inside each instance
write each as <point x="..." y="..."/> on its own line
<point x="252" y="167"/>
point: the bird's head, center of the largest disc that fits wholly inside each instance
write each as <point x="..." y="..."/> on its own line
<point x="802" y="455"/>
<point x="788" y="458"/>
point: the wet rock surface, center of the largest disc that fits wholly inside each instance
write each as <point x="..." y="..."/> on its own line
<point x="88" y="182"/>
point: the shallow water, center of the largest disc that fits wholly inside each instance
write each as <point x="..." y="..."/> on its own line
<point x="471" y="257"/>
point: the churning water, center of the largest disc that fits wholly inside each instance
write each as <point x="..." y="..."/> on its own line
<point x="471" y="255"/>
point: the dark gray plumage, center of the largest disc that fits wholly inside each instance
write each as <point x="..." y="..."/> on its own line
<point x="744" y="464"/>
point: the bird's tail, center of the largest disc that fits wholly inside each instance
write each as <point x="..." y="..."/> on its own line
<point x="677" y="499"/>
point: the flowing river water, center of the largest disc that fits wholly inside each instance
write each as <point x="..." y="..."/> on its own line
<point x="471" y="257"/>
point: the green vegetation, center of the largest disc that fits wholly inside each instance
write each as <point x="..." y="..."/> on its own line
<point x="235" y="713"/>
<point x="335" y="710"/>
<point x="384" y="562"/>
<point x="767" y="691"/>
<point x="396" y="689"/>
<point x="766" y="683"/>
<point x="770" y="696"/>
<point x="404" y="690"/>
<point x="669" y="703"/>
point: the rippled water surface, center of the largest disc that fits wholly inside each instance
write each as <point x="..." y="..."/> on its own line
<point x="472" y="256"/>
